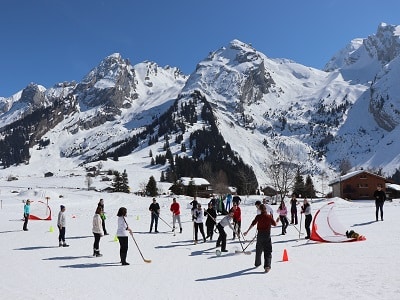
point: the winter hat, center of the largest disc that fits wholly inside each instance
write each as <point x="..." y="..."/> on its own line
<point x="62" y="206"/>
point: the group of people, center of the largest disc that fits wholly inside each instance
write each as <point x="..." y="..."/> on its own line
<point x="264" y="220"/>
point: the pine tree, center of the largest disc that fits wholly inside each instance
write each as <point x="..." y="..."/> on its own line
<point x="309" y="190"/>
<point x="298" y="187"/>
<point x="151" y="187"/>
<point x="117" y="182"/>
<point x="124" y="183"/>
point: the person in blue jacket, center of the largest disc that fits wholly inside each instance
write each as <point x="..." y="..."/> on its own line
<point x="228" y="202"/>
<point x="27" y="211"/>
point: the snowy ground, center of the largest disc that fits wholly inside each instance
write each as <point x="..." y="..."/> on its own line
<point x="34" y="267"/>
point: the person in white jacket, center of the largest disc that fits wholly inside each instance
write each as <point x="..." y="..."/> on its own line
<point x="122" y="234"/>
<point x="61" y="222"/>
<point x="97" y="230"/>
<point x="198" y="223"/>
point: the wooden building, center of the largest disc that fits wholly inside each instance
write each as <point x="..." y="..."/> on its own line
<point x="357" y="185"/>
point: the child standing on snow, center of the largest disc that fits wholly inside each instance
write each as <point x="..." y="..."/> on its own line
<point x="27" y="210"/>
<point x="282" y="211"/>
<point x="61" y="222"/>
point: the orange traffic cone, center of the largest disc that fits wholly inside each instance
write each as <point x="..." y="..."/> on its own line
<point x="285" y="256"/>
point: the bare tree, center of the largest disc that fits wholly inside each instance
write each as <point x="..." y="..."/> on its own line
<point x="283" y="172"/>
<point x="344" y="166"/>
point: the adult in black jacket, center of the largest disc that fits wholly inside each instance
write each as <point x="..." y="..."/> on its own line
<point x="210" y="221"/>
<point x="380" y="198"/>
<point x="154" y="209"/>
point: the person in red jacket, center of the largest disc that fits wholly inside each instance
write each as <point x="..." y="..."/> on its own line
<point x="264" y="222"/>
<point x="237" y="219"/>
<point x="176" y="215"/>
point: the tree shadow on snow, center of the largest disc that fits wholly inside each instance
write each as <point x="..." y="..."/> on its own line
<point x="234" y="274"/>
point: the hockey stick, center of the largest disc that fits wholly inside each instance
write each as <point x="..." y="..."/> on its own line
<point x="251" y="242"/>
<point x="163" y="221"/>
<point x="243" y="250"/>
<point x="145" y="260"/>
<point x="301" y="217"/>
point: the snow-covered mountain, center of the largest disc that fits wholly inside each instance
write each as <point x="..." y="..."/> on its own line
<point x="262" y="108"/>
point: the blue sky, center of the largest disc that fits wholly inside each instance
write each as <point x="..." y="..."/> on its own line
<point x="50" y="41"/>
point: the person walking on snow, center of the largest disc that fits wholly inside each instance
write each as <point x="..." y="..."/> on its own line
<point x="226" y="221"/>
<point x="282" y="212"/>
<point x="154" y="209"/>
<point x="61" y="222"/>
<point x="380" y="198"/>
<point x="97" y="230"/>
<point x="122" y="234"/>
<point x="198" y="223"/>
<point x="176" y="215"/>
<point x="264" y="221"/>
<point x="306" y="210"/>
<point x="27" y="211"/>
<point x="211" y="220"/>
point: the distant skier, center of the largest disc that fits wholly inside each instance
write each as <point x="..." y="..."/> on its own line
<point x="264" y="222"/>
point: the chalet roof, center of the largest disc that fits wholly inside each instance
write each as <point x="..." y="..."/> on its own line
<point x="197" y="181"/>
<point x="393" y="186"/>
<point x="352" y="174"/>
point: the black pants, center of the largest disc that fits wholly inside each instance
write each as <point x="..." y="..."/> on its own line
<point x="210" y="228"/>
<point x="222" y="237"/>
<point x="61" y="235"/>
<point x="263" y="244"/>
<point x="293" y="213"/>
<point x="379" y="206"/>
<point x="285" y="223"/>
<point x="307" y="224"/>
<point x="237" y="225"/>
<point x="154" y="219"/>
<point x="96" y="243"/>
<point x="103" y="224"/>
<point x="26" y="218"/>
<point x="197" y="227"/>
<point x="123" y="248"/>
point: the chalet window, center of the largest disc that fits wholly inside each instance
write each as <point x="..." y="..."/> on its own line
<point x="363" y="185"/>
<point x="363" y="176"/>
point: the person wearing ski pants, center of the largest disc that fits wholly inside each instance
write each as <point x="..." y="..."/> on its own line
<point x="226" y="221"/>
<point x="264" y="222"/>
